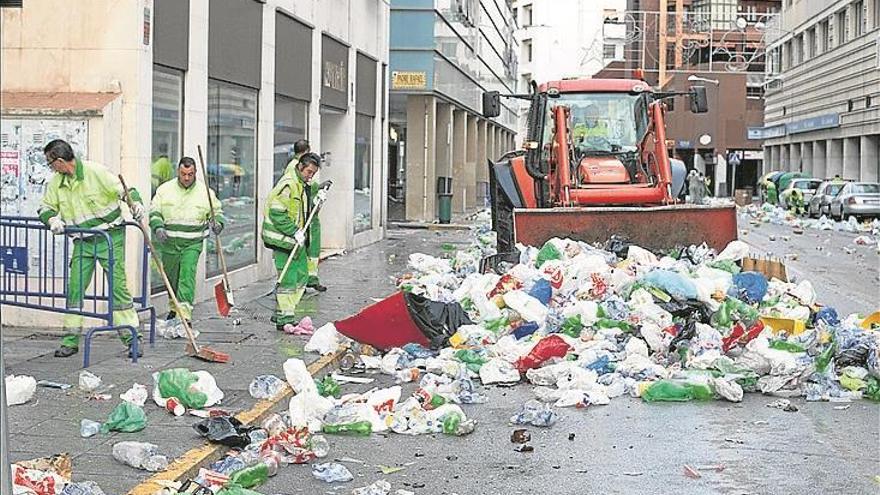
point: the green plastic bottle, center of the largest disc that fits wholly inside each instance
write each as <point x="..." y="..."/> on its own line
<point x="357" y="429"/>
<point x="255" y="475"/>
<point x="451" y="422"/>
<point x="824" y="357"/>
<point x="676" y="391"/>
<point x="328" y="387"/>
<point x="783" y="345"/>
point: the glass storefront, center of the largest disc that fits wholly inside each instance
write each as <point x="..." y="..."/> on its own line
<point x="363" y="173"/>
<point x="232" y="171"/>
<point x="167" y="109"/>
<point x="291" y="125"/>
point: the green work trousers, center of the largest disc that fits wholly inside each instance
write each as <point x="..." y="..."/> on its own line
<point x="314" y="250"/>
<point x="87" y="253"/>
<point x="180" y="258"/>
<point x="292" y="286"/>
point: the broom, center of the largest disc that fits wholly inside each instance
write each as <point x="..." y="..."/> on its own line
<point x="192" y="349"/>
<point x="222" y="291"/>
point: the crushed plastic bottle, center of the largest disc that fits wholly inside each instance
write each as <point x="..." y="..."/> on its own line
<point x="140" y="455"/>
<point x="89" y="428"/>
<point x="266" y="386"/>
<point x="358" y="428"/>
<point x="380" y="487"/>
<point x="256" y="474"/>
<point x="535" y="413"/>
<point x="82" y="488"/>
<point x="88" y="381"/>
<point x="331" y="472"/>
<point x="407" y="375"/>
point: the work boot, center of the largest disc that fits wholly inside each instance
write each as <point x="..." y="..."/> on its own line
<point x="318" y="287"/>
<point x="64" y="352"/>
<point x="286" y="328"/>
<point x="140" y="352"/>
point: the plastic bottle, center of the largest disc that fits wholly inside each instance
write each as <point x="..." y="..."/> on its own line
<point x="265" y="386"/>
<point x="783" y="345"/>
<point x="255" y="475"/>
<point x="319" y="445"/>
<point x="273" y="424"/>
<point x="140" y="455"/>
<point x="89" y="428"/>
<point x="331" y="472"/>
<point x="228" y="465"/>
<point x="407" y="375"/>
<point x="358" y="428"/>
<point x="824" y="357"/>
<point x="675" y="391"/>
<point x="451" y="422"/>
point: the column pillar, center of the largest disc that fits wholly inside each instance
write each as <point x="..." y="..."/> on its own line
<point x="783" y="158"/>
<point x="820" y="160"/>
<point x="421" y="176"/>
<point x="834" y="157"/>
<point x="794" y="157"/>
<point x="491" y="151"/>
<point x="869" y="168"/>
<point x="482" y="168"/>
<point x="471" y="163"/>
<point x="459" y="158"/>
<point x="851" y="161"/>
<point x="807" y="158"/>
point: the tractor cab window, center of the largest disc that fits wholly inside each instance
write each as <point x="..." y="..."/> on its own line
<point x="600" y="122"/>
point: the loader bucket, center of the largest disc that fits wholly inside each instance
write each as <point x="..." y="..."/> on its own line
<point x="656" y="228"/>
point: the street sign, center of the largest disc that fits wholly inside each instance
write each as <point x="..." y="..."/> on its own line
<point x="14" y="259"/>
<point x="409" y="80"/>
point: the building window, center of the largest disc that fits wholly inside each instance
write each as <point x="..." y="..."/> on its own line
<point x="527" y="15"/>
<point x="291" y="125"/>
<point x="798" y="46"/>
<point x="842" y="27"/>
<point x="786" y="55"/>
<point x="754" y="92"/>
<point x="859" y="18"/>
<point x="167" y="124"/>
<point x="527" y="50"/>
<point x="829" y="31"/>
<point x="232" y="171"/>
<point x="876" y="14"/>
<point x="814" y="47"/>
<point x="363" y="173"/>
<point x="609" y="51"/>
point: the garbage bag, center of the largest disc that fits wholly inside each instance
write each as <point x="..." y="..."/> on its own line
<point x="437" y="320"/>
<point x="195" y="390"/>
<point x="674" y="284"/>
<point x="225" y="430"/>
<point x="325" y="340"/>
<point x="542" y="291"/>
<point x="750" y="286"/>
<point x="735" y="251"/>
<point x="498" y="371"/>
<point x="19" y="389"/>
<point x="828" y="316"/>
<point x="126" y="417"/>
<point x="546" y="348"/>
<point x="547" y="252"/>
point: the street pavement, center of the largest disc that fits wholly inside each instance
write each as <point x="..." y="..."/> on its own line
<point x="625" y="447"/>
<point x="50" y="423"/>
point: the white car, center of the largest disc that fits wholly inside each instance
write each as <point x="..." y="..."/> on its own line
<point x="806" y="186"/>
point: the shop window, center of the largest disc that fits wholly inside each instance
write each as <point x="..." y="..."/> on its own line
<point x="167" y="128"/>
<point x="291" y="125"/>
<point x="363" y="173"/>
<point x="232" y="171"/>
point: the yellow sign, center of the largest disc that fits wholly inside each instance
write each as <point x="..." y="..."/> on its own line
<point x="408" y="80"/>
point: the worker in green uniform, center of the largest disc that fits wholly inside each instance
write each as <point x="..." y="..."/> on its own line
<point x="590" y="126"/>
<point x="86" y="195"/>
<point x="796" y="202"/>
<point x="180" y="218"/>
<point x="300" y="148"/>
<point x="287" y="209"/>
<point x="837" y="179"/>
<point x="770" y="194"/>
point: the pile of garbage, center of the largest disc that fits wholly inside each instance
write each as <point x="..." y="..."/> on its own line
<point x="586" y="324"/>
<point x="773" y="214"/>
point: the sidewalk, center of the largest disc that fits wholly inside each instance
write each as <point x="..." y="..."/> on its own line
<point x="49" y="423"/>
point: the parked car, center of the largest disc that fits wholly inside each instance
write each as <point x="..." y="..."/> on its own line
<point x="806" y="186"/>
<point x="821" y="201"/>
<point x="859" y="199"/>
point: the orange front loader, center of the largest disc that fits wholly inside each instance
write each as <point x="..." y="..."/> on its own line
<point x="594" y="164"/>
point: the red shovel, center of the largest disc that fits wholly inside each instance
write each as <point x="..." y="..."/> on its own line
<point x="222" y="291"/>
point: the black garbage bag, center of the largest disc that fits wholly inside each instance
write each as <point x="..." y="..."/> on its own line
<point x="618" y="245"/>
<point x="437" y="320"/>
<point x="225" y="430"/>
<point x="689" y="310"/>
<point x="688" y="331"/>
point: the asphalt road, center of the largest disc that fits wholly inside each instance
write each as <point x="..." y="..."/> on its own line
<point x="630" y="447"/>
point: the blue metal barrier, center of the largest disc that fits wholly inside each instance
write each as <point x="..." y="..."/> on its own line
<point x="35" y="273"/>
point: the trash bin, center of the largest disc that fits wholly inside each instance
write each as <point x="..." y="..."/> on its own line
<point x="444" y="198"/>
<point x="743" y="197"/>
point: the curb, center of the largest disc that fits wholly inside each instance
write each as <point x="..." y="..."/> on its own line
<point x="430" y="226"/>
<point x="187" y="465"/>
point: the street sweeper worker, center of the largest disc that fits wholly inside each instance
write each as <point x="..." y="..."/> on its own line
<point x="300" y="148"/>
<point x="284" y="227"/>
<point x="180" y="219"/>
<point x="85" y="195"/>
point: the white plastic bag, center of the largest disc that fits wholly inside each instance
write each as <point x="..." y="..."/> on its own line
<point x="19" y="389"/>
<point x="299" y="378"/>
<point x="307" y="409"/>
<point x="325" y="340"/>
<point x="640" y="256"/>
<point x="136" y="395"/>
<point x="88" y="381"/>
<point x="527" y="306"/>
<point x="734" y="251"/>
<point x="498" y="371"/>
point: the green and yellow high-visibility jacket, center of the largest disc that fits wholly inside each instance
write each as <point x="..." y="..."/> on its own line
<point x="88" y="199"/>
<point x="286" y="210"/>
<point x="184" y="212"/>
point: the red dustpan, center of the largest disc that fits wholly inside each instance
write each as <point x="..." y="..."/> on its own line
<point x="384" y="325"/>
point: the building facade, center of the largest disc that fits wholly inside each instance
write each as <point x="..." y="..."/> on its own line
<point x="242" y="79"/>
<point x="721" y="44"/>
<point x="822" y="113"/>
<point x="444" y="55"/>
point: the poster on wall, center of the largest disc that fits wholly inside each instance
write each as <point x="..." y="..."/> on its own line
<point x="23" y="170"/>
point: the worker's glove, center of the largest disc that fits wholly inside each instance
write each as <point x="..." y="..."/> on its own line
<point x="161" y="235"/>
<point x="216" y="227"/>
<point x="56" y="225"/>
<point x="137" y="211"/>
<point x="321" y="196"/>
<point x="300" y="237"/>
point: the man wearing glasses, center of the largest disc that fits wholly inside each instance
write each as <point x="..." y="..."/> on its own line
<point x="86" y="195"/>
